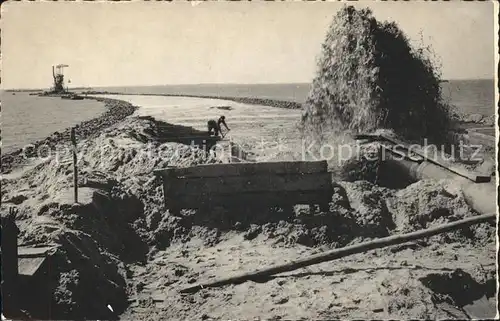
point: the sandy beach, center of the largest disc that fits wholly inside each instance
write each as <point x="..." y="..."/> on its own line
<point x="146" y="255"/>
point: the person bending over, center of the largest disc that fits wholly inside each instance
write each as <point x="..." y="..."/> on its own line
<point x="214" y="127"/>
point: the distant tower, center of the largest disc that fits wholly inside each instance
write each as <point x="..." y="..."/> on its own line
<point x="58" y="75"/>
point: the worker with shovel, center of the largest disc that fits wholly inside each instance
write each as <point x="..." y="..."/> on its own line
<point x="214" y="126"/>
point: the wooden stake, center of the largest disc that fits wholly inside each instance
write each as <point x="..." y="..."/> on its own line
<point x="75" y="168"/>
<point x="345" y="251"/>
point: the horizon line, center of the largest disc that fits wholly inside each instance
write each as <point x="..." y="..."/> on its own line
<point x="210" y="84"/>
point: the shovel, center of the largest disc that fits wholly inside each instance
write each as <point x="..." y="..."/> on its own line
<point x="225" y="134"/>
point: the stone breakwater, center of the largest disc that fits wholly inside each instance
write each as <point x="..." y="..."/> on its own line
<point x="253" y="101"/>
<point x="116" y="111"/>
<point x="244" y="100"/>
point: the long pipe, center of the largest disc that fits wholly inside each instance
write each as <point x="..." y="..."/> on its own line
<point x="479" y="196"/>
<point x="342" y="252"/>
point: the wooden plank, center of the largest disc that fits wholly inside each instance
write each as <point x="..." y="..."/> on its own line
<point x="485" y="130"/>
<point x="29" y="266"/>
<point x="216" y="170"/>
<point x="468" y="126"/>
<point x="256" y="199"/>
<point x="28" y="252"/>
<point x="189" y="138"/>
<point x="400" y="155"/>
<point x="254" y="183"/>
<point x="475" y="177"/>
<point x="240" y="169"/>
<point x="369" y="137"/>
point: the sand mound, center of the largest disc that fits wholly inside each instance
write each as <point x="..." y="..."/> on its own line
<point x="381" y="211"/>
<point x="359" y="85"/>
<point x="429" y="203"/>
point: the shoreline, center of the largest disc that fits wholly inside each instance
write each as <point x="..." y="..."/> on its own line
<point x="115" y="111"/>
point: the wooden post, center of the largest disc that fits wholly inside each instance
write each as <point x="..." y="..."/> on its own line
<point x="381" y="158"/>
<point x="75" y="168"/>
<point x="170" y="202"/>
<point x="10" y="271"/>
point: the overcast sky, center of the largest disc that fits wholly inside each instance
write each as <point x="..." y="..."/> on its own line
<point x="152" y="43"/>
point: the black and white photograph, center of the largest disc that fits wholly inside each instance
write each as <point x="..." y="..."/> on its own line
<point x="249" y="160"/>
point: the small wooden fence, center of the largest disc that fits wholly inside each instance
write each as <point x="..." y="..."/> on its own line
<point x="279" y="184"/>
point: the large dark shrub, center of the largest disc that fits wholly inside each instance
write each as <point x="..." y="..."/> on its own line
<point x="370" y="77"/>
